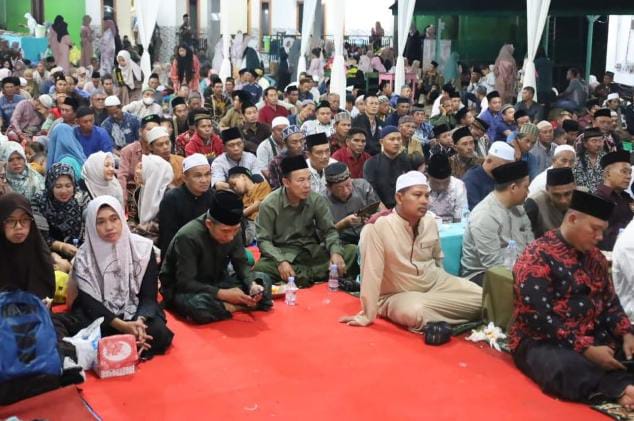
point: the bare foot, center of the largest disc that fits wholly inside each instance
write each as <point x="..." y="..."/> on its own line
<point x="627" y="400"/>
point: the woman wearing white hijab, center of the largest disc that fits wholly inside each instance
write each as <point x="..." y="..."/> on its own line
<point x="20" y="177"/>
<point x="129" y="78"/>
<point x="116" y="275"/>
<point x="154" y="175"/>
<point x="98" y="175"/>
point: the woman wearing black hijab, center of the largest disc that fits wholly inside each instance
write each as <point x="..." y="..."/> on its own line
<point x="60" y="43"/>
<point x="21" y="244"/>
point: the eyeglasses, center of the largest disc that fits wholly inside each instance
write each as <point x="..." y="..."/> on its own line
<point x="13" y="223"/>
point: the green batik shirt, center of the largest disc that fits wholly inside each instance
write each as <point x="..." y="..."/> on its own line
<point x="284" y="231"/>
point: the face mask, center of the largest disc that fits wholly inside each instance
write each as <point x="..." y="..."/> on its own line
<point x="148" y="101"/>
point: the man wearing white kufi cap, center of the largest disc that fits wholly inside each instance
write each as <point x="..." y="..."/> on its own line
<point x="401" y="267"/>
<point x="565" y="156"/>
<point x="190" y="200"/>
<point x="160" y="144"/>
<point x="479" y="180"/>
<point x="29" y="116"/>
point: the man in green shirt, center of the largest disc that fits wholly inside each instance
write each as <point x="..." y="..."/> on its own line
<point x="291" y="222"/>
<point x="195" y="282"/>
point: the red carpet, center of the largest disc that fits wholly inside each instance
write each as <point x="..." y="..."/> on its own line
<point x="299" y="363"/>
<point x="58" y="405"/>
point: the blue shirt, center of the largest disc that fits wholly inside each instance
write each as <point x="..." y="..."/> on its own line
<point x="98" y="140"/>
<point x="122" y="132"/>
<point x="478" y="185"/>
<point x="501" y="127"/>
<point x="7" y="107"/>
<point x="425" y="132"/>
<point x="493" y="120"/>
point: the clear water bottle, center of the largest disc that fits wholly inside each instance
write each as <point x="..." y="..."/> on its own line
<point x="510" y="254"/>
<point x="291" y="292"/>
<point x="76" y="242"/>
<point x="333" y="278"/>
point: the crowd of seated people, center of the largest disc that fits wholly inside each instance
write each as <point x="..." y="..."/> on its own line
<point x="172" y="187"/>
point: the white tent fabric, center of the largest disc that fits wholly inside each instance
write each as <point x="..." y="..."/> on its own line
<point x="338" y="70"/>
<point x="405" y="15"/>
<point x="225" y="67"/>
<point x="308" y="20"/>
<point x="536" y="15"/>
<point x="147" y="13"/>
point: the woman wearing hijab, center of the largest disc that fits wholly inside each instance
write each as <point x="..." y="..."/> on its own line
<point x="185" y="70"/>
<point x="251" y="58"/>
<point x="154" y="175"/>
<point x="86" y="36"/>
<point x="116" y="275"/>
<point x="505" y="72"/>
<point x="129" y="77"/>
<point x="98" y="176"/>
<point x="60" y="42"/>
<point x="20" y="176"/>
<point x="61" y="207"/>
<point x="107" y="46"/>
<point x="31" y="267"/>
<point x="64" y="147"/>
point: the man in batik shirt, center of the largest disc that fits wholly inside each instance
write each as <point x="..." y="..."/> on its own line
<point x="569" y="332"/>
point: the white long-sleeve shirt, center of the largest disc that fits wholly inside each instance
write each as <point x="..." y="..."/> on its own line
<point x="623" y="269"/>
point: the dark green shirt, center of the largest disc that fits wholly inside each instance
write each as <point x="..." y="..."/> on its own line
<point x="284" y="231"/>
<point x="195" y="262"/>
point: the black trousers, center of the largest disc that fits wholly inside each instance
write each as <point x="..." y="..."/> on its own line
<point x="566" y="374"/>
<point x="68" y="324"/>
<point x="203" y="307"/>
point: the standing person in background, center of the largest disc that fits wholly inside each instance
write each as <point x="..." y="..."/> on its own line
<point x="107" y="46"/>
<point x="505" y="70"/>
<point x="185" y="69"/>
<point x="86" y="36"/>
<point x="544" y="73"/>
<point x="60" y="42"/>
<point x="377" y="35"/>
<point x="413" y="47"/>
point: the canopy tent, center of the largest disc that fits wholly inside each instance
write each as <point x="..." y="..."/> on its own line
<point x="308" y="20"/>
<point x="536" y="11"/>
<point x="405" y="15"/>
<point x="338" y="71"/>
<point x="536" y="15"/>
<point x="146" y="12"/>
<point x="225" y="67"/>
<point x="518" y="7"/>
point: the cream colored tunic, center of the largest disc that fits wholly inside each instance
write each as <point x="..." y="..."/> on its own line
<point x="403" y="279"/>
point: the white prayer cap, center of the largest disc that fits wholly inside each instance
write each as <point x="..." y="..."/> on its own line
<point x="359" y="99"/>
<point x="280" y="121"/>
<point x="156" y="133"/>
<point x="57" y="69"/>
<point x="194" y="160"/>
<point x="564" y="148"/>
<point x="46" y="100"/>
<point x="544" y="125"/>
<point x="502" y="150"/>
<point x="112" y="101"/>
<point x="409" y="179"/>
<point x="612" y="96"/>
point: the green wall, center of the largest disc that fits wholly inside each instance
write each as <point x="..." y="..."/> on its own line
<point x="73" y="12"/>
<point x="478" y="39"/>
<point x="15" y="10"/>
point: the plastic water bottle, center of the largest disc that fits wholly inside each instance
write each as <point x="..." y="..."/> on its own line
<point x="291" y="292"/>
<point x="510" y="254"/>
<point x="465" y="216"/>
<point x="76" y="242"/>
<point x="333" y="278"/>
